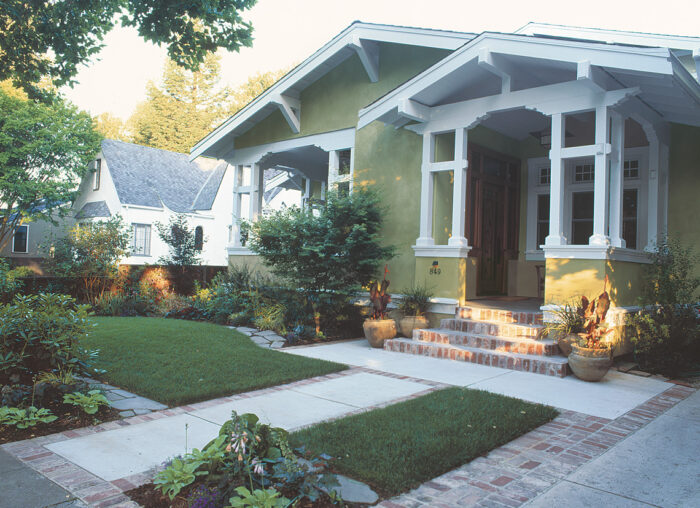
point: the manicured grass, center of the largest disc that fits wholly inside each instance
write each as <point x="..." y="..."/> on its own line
<point x="178" y="362"/>
<point x="401" y="446"/>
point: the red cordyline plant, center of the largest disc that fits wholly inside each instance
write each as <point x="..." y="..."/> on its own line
<point x="593" y="313"/>
<point x="379" y="297"/>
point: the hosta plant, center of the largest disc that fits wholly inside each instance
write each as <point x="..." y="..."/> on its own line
<point x="23" y="418"/>
<point x="177" y="476"/>
<point x="89" y="403"/>
<point x="259" y="498"/>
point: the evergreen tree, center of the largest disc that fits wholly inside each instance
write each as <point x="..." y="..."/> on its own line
<point x="184" y="109"/>
<point x="111" y="127"/>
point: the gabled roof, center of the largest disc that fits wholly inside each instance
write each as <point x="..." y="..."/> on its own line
<point x="155" y="178"/>
<point x="472" y="71"/>
<point x="355" y="39"/>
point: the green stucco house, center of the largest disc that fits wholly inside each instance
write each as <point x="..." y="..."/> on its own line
<point x="529" y="164"/>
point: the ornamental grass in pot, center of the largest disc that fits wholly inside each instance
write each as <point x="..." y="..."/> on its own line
<point x="591" y="357"/>
<point x="567" y="325"/>
<point x="414" y="305"/>
<point x="378" y="327"/>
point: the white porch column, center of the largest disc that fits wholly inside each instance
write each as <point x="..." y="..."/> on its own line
<point x="600" y="189"/>
<point x="256" y="191"/>
<point x="333" y="166"/>
<point x="235" y="226"/>
<point x="426" y="193"/>
<point x="459" y="191"/>
<point x="556" y="194"/>
<point x="617" y="165"/>
<point x="653" y="193"/>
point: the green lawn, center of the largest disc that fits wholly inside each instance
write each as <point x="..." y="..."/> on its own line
<point x="178" y="362"/>
<point x="401" y="446"/>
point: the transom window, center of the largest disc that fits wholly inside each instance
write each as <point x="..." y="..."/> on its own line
<point x="141" y="240"/>
<point x="631" y="168"/>
<point x="584" y="173"/>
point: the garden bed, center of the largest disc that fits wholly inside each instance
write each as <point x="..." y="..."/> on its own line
<point x="179" y="362"/>
<point x="69" y="418"/>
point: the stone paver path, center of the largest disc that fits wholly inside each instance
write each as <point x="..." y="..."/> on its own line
<point x="263" y="338"/>
<point x="128" y="404"/>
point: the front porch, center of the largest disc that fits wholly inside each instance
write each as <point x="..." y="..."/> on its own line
<point x="544" y="165"/>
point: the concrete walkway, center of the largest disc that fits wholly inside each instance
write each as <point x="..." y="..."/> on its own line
<point x="97" y="464"/>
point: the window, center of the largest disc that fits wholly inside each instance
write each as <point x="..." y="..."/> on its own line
<point x="545" y="176"/>
<point x="583" y="173"/>
<point x="20" y="240"/>
<point x="141" y="240"/>
<point x="542" y="219"/>
<point x="198" y="238"/>
<point x="344" y="162"/>
<point x="631" y="169"/>
<point x="96" y="174"/>
<point x="629" y="218"/>
<point x="581" y="217"/>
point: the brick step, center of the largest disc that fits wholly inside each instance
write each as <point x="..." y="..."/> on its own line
<point x="495" y="329"/>
<point x="498" y="315"/>
<point x="548" y="365"/>
<point x="544" y="347"/>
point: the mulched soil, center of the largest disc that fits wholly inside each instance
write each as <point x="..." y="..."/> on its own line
<point x="69" y="418"/>
<point x="148" y="497"/>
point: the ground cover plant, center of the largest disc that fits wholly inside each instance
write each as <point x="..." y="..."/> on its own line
<point x="403" y="445"/>
<point x="178" y="362"/>
<point x="248" y="464"/>
<point x="41" y="356"/>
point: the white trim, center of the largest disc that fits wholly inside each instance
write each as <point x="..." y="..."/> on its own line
<point x="611" y="36"/>
<point x="651" y="60"/>
<point x="364" y="32"/>
<point x="327" y="141"/>
<point x="595" y="252"/>
<point x="26" y="243"/>
<point x="239" y="251"/>
<point x="440" y="251"/>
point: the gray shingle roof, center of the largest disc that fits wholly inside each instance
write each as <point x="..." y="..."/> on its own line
<point x="94" y="209"/>
<point x="151" y="177"/>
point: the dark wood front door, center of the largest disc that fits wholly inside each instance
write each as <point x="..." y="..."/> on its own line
<point x="493" y="216"/>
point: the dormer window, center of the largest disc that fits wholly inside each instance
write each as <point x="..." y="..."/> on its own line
<point x="96" y="169"/>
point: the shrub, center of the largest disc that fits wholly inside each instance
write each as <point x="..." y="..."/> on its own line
<point x="41" y="333"/>
<point x="9" y="285"/>
<point x="91" y="252"/>
<point x="334" y="249"/>
<point x="666" y="331"/>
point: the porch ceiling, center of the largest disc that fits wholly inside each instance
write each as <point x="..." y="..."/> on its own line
<point x="493" y="64"/>
<point x="310" y="161"/>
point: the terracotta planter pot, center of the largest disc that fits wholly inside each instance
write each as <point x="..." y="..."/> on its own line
<point x="410" y="323"/>
<point x="590" y="364"/>
<point x="565" y="343"/>
<point x="379" y="330"/>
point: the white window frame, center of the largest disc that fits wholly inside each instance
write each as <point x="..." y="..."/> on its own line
<point x="26" y="245"/>
<point x="147" y="246"/>
<point x="334" y="176"/>
<point x="97" y="175"/>
<point x="641" y="184"/>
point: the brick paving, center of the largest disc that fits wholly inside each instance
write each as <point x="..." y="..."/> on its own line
<point x="508" y="476"/>
<point x="519" y="471"/>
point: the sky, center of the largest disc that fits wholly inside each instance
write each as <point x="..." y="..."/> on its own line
<point x="288" y="31"/>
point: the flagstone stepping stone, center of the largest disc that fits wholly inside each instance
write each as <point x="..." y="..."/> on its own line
<point x="353" y="491"/>
<point x="138" y="403"/>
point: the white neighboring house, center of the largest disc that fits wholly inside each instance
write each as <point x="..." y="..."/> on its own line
<point x="146" y="186"/>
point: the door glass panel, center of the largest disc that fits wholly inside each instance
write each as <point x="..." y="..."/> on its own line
<point x="542" y="219"/>
<point x="582" y="218"/>
<point x="629" y="218"/>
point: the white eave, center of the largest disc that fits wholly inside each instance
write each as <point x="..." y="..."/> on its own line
<point x="359" y="38"/>
<point x="481" y="66"/>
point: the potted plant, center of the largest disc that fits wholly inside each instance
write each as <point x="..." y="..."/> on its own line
<point x="414" y="305"/>
<point x="378" y="327"/>
<point x="566" y="326"/>
<point x="591" y="358"/>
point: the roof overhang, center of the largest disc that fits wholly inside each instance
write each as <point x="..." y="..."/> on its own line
<point x="359" y="38"/>
<point x="505" y="65"/>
